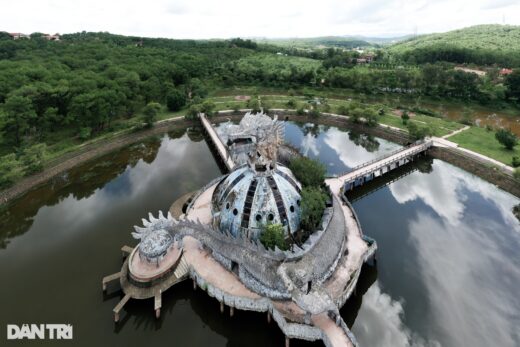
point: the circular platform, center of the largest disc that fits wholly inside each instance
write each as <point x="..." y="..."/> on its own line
<point x="143" y="271"/>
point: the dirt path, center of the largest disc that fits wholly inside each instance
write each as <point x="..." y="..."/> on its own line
<point x="456" y="132"/>
<point x="86" y="153"/>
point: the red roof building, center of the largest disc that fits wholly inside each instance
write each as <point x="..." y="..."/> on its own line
<point x="17" y="36"/>
<point x="505" y="72"/>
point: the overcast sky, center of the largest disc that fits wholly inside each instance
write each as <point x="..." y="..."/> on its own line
<point x="262" y="18"/>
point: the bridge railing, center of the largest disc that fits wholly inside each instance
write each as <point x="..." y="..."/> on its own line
<point x="419" y="149"/>
<point x="370" y="162"/>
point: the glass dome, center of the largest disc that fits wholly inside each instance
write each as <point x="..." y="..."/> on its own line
<point x="248" y="199"/>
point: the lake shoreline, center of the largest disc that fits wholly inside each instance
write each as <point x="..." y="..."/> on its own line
<point x="94" y="150"/>
<point x="67" y="162"/>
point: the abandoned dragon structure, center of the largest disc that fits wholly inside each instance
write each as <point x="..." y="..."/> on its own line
<point x="212" y="236"/>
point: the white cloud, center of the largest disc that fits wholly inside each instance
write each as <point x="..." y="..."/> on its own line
<point x="472" y="293"/>
<point x="380" y="322"/>
<point x="441" y="191"/>
<point x="351" y="154"/>
<point x="268" y="18"/>
<point x="465" y="262"/>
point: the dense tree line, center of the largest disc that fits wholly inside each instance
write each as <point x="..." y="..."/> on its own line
<point x="88" y="80"/>
<point x="460" y="55"/>
<point x="436" y="80"/>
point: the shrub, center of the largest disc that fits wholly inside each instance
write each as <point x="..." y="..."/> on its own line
<point x="300" y="111"/>
<point x="418" y="132"/>
<point x="150" y="113"/>
<point x="506" y="138"/>
<point x="516" y="161"/>
<point x="274" y="235"/>
<point x="10" y="170"/>
<point x="253" y="104"/>
<point x="343" y="110"/>
<point x="356" y="113"/>
<point x="310" y="173"/>
<point x="371" y="118"/>
<point x="516" y="174"/>
<point x="405" y="117"/>
<point x="193" y="112"/>
<point x="32" y="158"/>
<point x="207" y="108"/>
<point x="291" y="103"/>
<point x="312" y="206"/>
<point x="85" y="133"/>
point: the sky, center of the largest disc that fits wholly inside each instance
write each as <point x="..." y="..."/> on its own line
<point x="204" y="19"/>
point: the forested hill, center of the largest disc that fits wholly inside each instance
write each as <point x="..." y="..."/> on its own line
<point x="481" y="44"/>
<point x="326" y="41"/>
<point x="86" y="81"/>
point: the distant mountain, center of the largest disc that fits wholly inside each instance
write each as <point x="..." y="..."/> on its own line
<point x="484" y="38"/>
<point x="387" y="40"/>
<point x="345" y="41"/>
<point x="312" y="42"/>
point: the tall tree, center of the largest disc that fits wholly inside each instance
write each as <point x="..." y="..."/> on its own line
<point x="513" y="84"/>
<point x="150" y="113"/>
<point x="19" y="113"/>
<point x="175" y="100"/>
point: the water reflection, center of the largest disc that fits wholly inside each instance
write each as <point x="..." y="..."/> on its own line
<point x="338" y="149"/>
<point x="449" y="271"/>
<point x="78" y="183"/>
<point x="422" y="164"/>
<point x="59" y="240"/>
<point x="380" y="322"/>
<point x="446" y="190"/>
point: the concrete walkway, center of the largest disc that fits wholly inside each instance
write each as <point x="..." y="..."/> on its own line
<point x="334" y="333"/>
<point x="203" y="263"/>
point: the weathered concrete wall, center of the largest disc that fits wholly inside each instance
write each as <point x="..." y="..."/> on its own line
<point x="291" y="330"/>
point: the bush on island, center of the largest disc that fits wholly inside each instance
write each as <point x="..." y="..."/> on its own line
<point x="273" y="235"/>
<point x="310" y="173"/>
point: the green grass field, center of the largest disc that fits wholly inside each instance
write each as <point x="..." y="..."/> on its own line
<point x="483" y="141"/>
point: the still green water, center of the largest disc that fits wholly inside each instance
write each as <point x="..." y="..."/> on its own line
<point x="448" y="269"/>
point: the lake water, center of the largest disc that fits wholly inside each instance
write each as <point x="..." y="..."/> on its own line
<point x="448" y="269"/>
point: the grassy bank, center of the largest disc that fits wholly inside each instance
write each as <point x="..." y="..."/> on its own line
<point x="64" y="144"/>
<point x="484" y="142"/>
